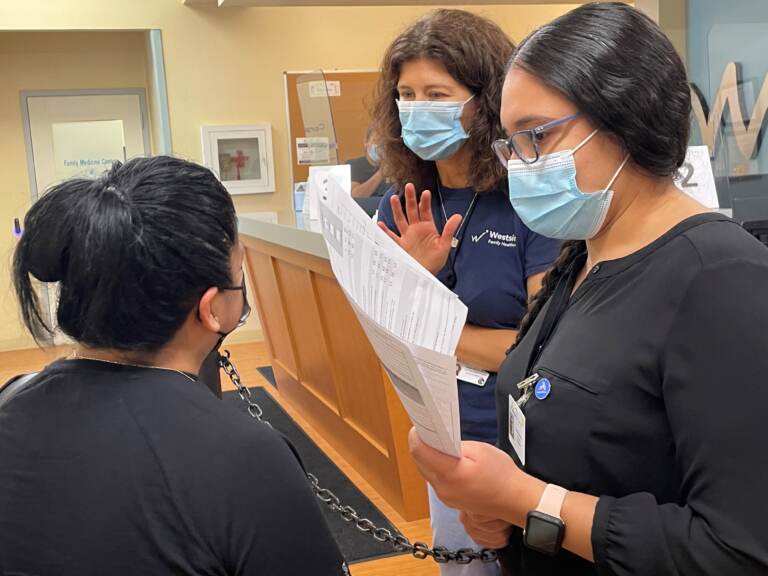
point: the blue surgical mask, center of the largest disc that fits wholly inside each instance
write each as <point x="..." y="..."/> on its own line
<point x="373" y="153"/>
<point x="547" y="198"/>
<point x="432" y="130"/>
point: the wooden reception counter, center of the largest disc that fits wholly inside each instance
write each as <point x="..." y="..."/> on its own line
<point x="323" y="363"/>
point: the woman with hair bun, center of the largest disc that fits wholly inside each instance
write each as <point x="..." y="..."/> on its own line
<point x="118" y="460"/>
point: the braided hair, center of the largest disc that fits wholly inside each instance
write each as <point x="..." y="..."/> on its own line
<point x="569" y="252"/>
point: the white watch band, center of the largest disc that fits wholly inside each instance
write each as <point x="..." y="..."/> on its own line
<point x="551" y="502"/>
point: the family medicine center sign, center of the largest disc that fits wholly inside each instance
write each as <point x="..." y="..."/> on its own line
<point x="86" y="149"/>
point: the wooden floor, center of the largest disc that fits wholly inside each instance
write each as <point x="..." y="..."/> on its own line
<point x="247" y="357"/>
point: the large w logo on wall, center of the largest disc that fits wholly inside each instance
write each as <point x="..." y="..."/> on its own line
<point x="746" y="135"/>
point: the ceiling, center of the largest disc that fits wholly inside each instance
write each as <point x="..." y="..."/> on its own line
<point x="235" y="3"/>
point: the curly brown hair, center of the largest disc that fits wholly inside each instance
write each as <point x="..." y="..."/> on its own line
<point x="475" y="52"/>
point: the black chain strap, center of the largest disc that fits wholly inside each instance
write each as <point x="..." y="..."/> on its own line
<point x="400" y="543"/>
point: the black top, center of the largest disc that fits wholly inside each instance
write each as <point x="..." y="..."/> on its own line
<point x="210" y="374"/>
<point x="108" y="469"/>
<point x="659" y="384"/>
<point x="363" y="170"/>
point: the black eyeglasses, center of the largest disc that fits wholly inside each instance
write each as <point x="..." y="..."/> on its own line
<point x="246" y="306"/>
<point x="525" y="143"/>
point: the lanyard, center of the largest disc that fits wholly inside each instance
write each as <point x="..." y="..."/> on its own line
<point x="558" y="302"/>
<point x="458" y="239"/>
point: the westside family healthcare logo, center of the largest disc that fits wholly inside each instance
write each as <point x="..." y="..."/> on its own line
<point x="496" y="239"/>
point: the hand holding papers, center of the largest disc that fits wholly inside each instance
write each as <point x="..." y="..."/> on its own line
<point x="412" y="321"/>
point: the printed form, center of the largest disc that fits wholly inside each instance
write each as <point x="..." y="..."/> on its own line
<point x="411" y="319"/>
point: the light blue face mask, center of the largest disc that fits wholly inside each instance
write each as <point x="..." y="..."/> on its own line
<point x="373" y="153"/>
<point x="547" y="198"/>
<point x="432" y="130"/>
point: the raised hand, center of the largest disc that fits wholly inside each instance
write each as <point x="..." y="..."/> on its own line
<point x="418" y="232"/>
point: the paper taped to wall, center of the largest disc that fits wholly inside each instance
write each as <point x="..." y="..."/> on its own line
<point x="696" y="178"/>
<point x="315" y="150"/>
<point x="320" y="89"/>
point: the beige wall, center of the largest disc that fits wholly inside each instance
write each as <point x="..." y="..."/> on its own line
<point x="223" y="66"/>
<point x="672" y="16"/>
<point x="43" y="61"/>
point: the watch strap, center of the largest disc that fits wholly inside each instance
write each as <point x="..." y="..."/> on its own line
<point x="551" y="502"/>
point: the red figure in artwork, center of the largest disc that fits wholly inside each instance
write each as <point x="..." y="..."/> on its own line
<point x="239" y="161"/>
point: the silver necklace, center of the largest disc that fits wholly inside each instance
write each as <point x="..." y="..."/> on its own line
<point x="75" y="356"/>
<point x="455" y="239"/>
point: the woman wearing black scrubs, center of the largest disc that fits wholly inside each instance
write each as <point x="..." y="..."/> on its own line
<point x="119" y="460"/>
<point x="210" y="373"/>
<point x="631" y="418"/>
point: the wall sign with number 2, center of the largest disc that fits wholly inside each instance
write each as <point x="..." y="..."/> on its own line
<point x="695" y="177"/>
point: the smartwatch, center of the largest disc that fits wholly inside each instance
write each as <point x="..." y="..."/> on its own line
<point x="544" y="529"/>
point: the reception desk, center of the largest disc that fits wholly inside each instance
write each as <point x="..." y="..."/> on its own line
<point x="324" y="366"/>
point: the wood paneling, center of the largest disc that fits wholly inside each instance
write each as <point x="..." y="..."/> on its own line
<point x="356" y="368"/>
<point x="296" y="291"/>
<point x="271" y="313"/>
<point x="338" y="384"/>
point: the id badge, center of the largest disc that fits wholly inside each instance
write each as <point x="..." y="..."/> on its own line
<point x="471" y="375"/>
<point x="516" y="432"/>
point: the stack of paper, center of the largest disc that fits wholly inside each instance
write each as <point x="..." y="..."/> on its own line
<point x="411" y="319"/>
<point x="318" y="185"/>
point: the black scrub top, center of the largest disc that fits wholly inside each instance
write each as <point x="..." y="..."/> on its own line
<point x="210" y="373"/>
<point x="108" y="469"/>
<point x="659" y="388"/>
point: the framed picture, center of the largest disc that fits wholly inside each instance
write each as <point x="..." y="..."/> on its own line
<point x="241" y="156"/>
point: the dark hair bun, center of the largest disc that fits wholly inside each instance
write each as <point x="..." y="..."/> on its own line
<point x="48" y="232"/>
<point x="48" y="259"/>
<point x="132" y="252"/>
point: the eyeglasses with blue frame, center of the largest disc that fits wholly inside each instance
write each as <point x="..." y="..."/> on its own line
<point x="524" y="144"/>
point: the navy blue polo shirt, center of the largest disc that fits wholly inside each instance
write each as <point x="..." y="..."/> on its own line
<point x="496" y="256"/>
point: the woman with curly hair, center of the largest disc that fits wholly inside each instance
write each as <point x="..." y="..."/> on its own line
<point x="436" y="116"/>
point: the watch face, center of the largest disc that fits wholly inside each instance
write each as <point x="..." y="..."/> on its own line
<point x="544" y="533"/>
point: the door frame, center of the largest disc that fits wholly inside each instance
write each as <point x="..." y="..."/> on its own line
<point x="25" y="94"/>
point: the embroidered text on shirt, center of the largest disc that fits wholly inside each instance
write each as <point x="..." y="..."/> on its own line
<point x="496" y="239"/>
